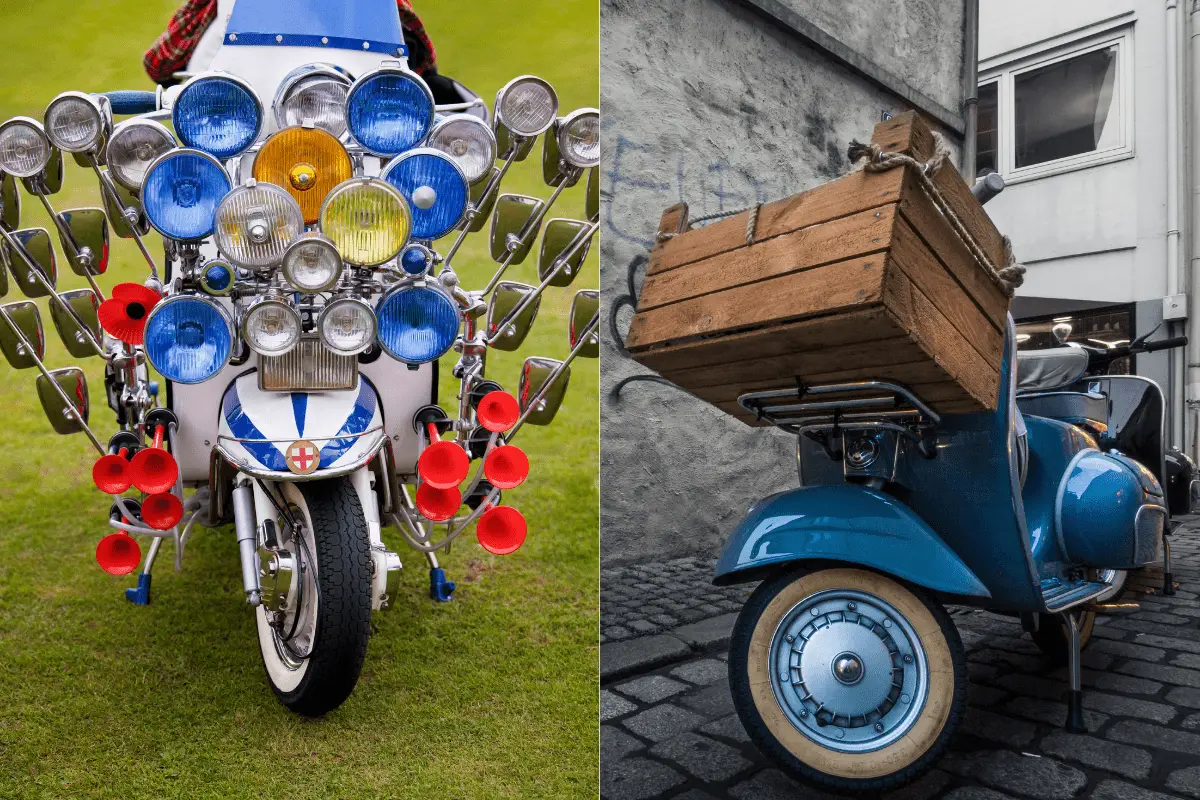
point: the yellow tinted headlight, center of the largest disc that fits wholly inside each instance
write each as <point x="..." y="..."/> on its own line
<point x="307" y="163"/>
<point x="367" y="220"/>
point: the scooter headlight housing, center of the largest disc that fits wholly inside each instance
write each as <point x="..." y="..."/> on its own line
<point x="75" y="123"/>
<point x="25" y="149"/>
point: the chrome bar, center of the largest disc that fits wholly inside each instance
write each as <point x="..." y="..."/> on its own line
<point x="584" y="335"/>
<point x="68" y="240"/>
<point x="833" y="388"/>
<point x="246" y="525"/>
<point x="109" y="189"/>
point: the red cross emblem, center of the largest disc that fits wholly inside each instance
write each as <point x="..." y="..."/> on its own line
<point x="303" y="457"/>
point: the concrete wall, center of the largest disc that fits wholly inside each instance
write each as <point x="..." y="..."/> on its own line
<point x="707" y="102"/>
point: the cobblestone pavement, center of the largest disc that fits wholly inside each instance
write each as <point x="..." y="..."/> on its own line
<point x="649" y="598"/>
<point x="671" y="731"/>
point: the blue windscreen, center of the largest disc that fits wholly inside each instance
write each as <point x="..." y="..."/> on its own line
<point x="363" y="25"/>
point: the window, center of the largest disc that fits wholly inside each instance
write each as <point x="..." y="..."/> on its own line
<point x="1054" y="112"/>
<point x="1103" y="327"/>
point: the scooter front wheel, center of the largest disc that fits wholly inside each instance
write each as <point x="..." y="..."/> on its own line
<point x="847" y="678"/>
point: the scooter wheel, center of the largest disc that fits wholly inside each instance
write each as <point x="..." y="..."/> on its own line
<point x="1052" y="639"/>
<point x="848" y="679"/>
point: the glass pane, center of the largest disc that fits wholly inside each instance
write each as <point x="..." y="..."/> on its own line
<point x="985" y="137"/>
<point x="1067" y="108"/>
<point x="1099" y="328"/>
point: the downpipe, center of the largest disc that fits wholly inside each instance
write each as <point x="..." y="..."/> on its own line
<point x="245" y="524"/>
<point x="1192" y="446"/>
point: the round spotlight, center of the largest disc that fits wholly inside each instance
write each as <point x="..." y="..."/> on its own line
<point x="389" y="110"/>
<point x="188" y="338"/>
<point x="255" y="224"/>
<point x="434" y="186"/>
<point x="527" y="105"/>
<point x="181" y="193"/>
<point x="25" y="149"/>
<point x="312" y="264"/>
<point x="347" y="326"/>
<point x="416" y="259"/>
<point x="307" y="163"/>
<point x="469" y="141"/>
<point x="219" y="114"/>
<point x="314" y="95"/>
<point x="417" y="324"/>
<point x="579" y="138"/>
<point x="75" y="123"/>
<point x="217" y="277"/>
<point x="367" y="220"/>
<point x="271" y="327"/>
<point x="134" y="145"/>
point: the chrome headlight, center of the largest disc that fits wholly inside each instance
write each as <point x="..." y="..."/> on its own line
<point x="434" y="186"/>
<point x="527" y="105"/>
<point x="25" y="149"/>
<point x="219" y="114"/>
<point x="188" y="339"/>
<point x="469" y="141"/>
<point x="181" y="192"/>
<point x="271" y="327"/>
<point x="133" y="147"/>
<point x="312" y="264"/>
<point x="75" y="123"/>
<point x="389" y="110"/>
<point x="579" y="138"/>
<point x="347" y="326"/>
<point x="255" y="224"/>
<point x="367" y="220"/>
<point x="314" y="95"/>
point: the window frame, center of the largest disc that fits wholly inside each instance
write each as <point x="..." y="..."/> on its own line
<point x="1005" y="75"/>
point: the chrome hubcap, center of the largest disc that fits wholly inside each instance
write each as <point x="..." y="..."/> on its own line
<point x="848" y="670"/>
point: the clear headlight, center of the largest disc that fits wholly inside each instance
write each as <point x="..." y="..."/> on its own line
<point x="367" y="220"/>
<point x="469" y="141"/>
<point x="527" y="105"/>
<point x="579" y="138"/>
<point x="271" y="327"/>
<point x="75" y="123"/>
<point x="133" y="147"/>
<point x="347" y="326"/>
<point x="317" y="99"/>
<point x="312" y="263"/>
<point x="255" y="223"/>
<point x="24" y="147"/>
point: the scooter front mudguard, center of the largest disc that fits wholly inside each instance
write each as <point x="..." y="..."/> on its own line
<point x="848" y="523"/>
<point x="299" y="435"/>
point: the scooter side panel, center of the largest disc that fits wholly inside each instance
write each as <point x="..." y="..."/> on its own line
<point x="1052" y="446"/>
<point x="848" y="523"/>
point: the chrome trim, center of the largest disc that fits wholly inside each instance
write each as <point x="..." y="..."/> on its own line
<point x="319" y="474"/>
<point x="1061" y="492"/>
<point x="746" y="400"/>
<point x="1137" y="521"/>
<point x="302" y="368"/>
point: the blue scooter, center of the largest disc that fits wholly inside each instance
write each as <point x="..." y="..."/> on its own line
<point x="844" y="665"/>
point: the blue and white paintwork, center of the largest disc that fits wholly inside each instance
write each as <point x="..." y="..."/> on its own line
<point x="256" y="427"/>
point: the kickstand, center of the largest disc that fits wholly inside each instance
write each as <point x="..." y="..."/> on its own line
<point x="1168" y="579"/>
<point x="1075" y="723"/>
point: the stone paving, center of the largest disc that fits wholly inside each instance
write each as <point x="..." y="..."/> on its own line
<point x="669" y="729"/>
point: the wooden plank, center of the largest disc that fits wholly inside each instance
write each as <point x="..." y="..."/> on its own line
<point x="938" y="337"/>
<point x="833" y="288"/>
<point x="808" y="334"/>
<point x="856" y="192"/>
<point x="919" y="212"/>
<point x="824" y="243"/>
<point x="928" y="274"/>
<point x="905" y="133"/>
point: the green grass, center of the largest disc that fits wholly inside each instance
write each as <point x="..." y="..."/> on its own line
<point x="493" y="695"/>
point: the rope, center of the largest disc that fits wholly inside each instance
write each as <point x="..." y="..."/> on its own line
<point x="751" y="222"/>
<point x="1007" y="277"/>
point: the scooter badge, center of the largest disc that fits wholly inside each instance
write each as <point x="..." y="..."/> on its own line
<point x="303" y="457"/>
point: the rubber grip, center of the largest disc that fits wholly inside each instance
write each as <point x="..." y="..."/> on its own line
<point x="1166" y="344"/>
<point x="132" y="102"/>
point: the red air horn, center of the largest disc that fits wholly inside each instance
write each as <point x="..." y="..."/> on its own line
<point x="153" y="469"/>
<point x="118" y="554"/>
<point x="497" y="411"/>
<point x="443" y="464"/>
<point x="162" y="511"/>
<point x="501" y="530"/>
<point x="111" y="473"/>
<point x="436" y="504"/>
<point x="506" y="467"/>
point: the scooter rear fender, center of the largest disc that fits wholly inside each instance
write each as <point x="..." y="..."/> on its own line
<point x="848" y="523"/>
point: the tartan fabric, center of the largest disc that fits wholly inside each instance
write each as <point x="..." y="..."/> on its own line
<point x="172" y="51"/>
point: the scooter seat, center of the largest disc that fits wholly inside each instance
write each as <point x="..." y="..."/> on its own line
<point x="1047" y="370"/>
<point x="1074" y="407"/>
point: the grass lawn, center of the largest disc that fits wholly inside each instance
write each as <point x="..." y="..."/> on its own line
<point x="493" y="695"/>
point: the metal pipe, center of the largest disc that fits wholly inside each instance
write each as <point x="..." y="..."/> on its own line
<point x="1175" y="281"/>
<point x="246" y="525"/>
<point x="970" y="87"/>
<point x="108" y="188"/>
<point x="1193" y="282"/>
<point x="588" y="331"/>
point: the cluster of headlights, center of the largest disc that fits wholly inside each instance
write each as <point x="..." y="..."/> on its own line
<point x="302" y="175"/>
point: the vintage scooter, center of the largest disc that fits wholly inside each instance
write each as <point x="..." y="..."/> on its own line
<point x="312" y="199"/>
<point x="844" y="665"/>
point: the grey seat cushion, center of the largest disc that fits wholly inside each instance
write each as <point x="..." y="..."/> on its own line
<point x="1047" y="370"/>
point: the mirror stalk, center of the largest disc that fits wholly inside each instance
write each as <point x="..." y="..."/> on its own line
<point x="590" y="330"/>
<point x="530" y="229"/>
<point x="111" y="191"/>
<point x="68" y="239"/>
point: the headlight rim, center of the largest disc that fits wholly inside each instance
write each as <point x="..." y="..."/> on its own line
<point x="483" y="126"/>
<point x="308" y="238"/>
<point x="300" y="75"/>
<point x="102" y="128"/>
<point x="133" y="124"/>
<point x="252" y="185"/>
<point x="409" y="286"/>
<point x="498" y="110"/>
<point x="392" y="69"/>
<point x="348" y="300"/>
<point x="564" y="123"/>
<point x="260" y="303"/>
<point x="365" y="180"/>
<point x="41" y="131"/>
<point x="218" y="75"/>
<point x="434" y="152"/>
<point x="230" y="327"/>
<point x="176" y="153"/>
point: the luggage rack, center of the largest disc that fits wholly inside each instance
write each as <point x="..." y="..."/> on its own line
<point x="877" y="405"/>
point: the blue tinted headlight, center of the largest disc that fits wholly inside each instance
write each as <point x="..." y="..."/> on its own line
<point x="417" y="323"/>
<point x="219" y="115"/>
<point x="389" y="111"/>
<point x="188" y="339"/>
<point x="434" y="186"/>
<point x="415" y="259"/>
<point x="181" y="193"/>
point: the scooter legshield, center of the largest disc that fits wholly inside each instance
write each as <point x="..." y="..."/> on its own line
<point x="847" y="523"/>
<point x="257" y="429"/>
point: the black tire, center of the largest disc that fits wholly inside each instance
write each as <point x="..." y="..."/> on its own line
<point x="766" y="740"/>
<point x="343" y="556"/>
<point x="1052" y="639"/>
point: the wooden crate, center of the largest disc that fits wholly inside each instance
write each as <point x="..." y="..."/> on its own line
<point x="858" y="278"/>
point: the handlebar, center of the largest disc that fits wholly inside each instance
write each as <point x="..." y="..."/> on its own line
<point x="1102" y="357"/>
<point x="1165" y="344"/>
<point x="130" y="101"/>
